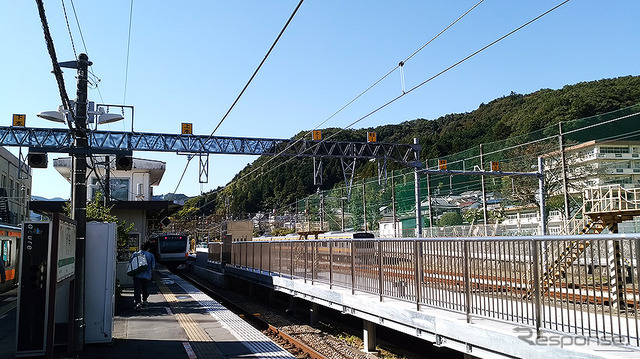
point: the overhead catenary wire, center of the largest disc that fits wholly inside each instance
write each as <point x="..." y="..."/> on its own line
<point x="189" y="158"/>
<point x="273" y="45"/>
<point x="374" y="84"/>
<point x="126" y="69"/>
<point x="258" y="68"/>
<point x="432" y="77"/>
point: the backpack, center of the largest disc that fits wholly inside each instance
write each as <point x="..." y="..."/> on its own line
<point x="137" y="264"/>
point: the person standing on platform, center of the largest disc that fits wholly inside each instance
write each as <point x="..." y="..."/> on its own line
<point x="141" y="280"/>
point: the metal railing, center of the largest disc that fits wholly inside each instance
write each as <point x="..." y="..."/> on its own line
<point x="513" y="279"/>
<point x="613" y="198"/>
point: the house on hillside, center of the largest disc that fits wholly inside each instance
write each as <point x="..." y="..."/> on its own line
<point x="599" y="163"/>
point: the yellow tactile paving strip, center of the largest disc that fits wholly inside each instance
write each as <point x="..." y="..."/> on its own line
<point x="202" y="344"/>
<point x="191" y="328"/>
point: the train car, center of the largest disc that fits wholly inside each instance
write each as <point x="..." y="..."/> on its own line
<point x="171" y="249"/>
<point x="10" y="254"/>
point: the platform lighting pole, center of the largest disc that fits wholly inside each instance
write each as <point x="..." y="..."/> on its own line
<point x="79" y="192"/>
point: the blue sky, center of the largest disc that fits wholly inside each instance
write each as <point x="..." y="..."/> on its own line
<point x="189" y="61"/>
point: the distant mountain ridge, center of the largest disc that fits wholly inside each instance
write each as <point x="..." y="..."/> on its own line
<point x="39" y="198"/>
<point x="507" y="116"/>
<point x="174" y="197"/>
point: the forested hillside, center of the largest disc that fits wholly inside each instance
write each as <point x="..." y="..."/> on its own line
<point x="259" y="187"/>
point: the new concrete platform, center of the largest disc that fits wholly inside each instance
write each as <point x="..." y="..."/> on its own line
<point x="179" y="322"/>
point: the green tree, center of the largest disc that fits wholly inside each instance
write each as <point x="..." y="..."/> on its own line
<point x="99" y="213"/>
<point x="450" y="219"/>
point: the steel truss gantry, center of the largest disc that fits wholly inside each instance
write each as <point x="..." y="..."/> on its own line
<point x="111" y="142"/>
<point x="61" y="140"/>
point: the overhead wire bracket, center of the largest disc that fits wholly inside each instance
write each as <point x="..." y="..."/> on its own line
<point x="348" y="170"/>
<point x="382" y="171"/>
<point x="317" y="171"/>
<point x="203" y="173"/>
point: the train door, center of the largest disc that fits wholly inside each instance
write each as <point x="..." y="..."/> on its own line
<point x="8" y="258"/>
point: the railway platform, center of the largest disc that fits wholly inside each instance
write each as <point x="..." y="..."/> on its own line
<point x="179" y="322"/>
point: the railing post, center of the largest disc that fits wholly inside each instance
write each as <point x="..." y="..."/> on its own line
<point x="380" y="283"/>
<point x="330" y="264"/>
<point x="536" y="283"/>
<point x="467" y="280"/>
<point x="291" y="255"/>
<point x="313" y="260"/>
<point x="280" y="258"/>
<point x="306" y="259"/>
<point x="353" y="267"/>
<point x="269" y="257"/>
<point x="417" y="271"/>
<point x="261" y="244"/>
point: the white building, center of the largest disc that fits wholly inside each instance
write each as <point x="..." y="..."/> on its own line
<point x="600" y="163"/>
<point x="131" y="191"/>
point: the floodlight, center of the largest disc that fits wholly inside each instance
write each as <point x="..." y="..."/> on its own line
<point x="54" y="116"/>
<point x="109" y="117"/>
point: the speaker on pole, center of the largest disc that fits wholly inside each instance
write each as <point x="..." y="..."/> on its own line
<point x="124" y="162"/>
<point x="37" y="160"/>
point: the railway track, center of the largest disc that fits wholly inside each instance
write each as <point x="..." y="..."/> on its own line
<point x="591" y="294"/>
<point x="301" y="340"/>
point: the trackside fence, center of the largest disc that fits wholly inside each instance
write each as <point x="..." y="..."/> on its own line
<point x="586" y="285"/>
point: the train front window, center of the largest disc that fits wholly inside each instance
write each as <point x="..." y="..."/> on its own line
<point x="176" y="244"/>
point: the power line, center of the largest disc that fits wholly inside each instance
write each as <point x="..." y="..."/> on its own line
<point x="54" y="59"/>
<point x="95" y="79"/>
<point x="183" y="172"/>
<point x="259" y="66"/>
<point x="375" y="83"/>
<point x="126" y="71"/>
<point x="75" y="14"/>
<point x="250" y="79"/>
<point x="66" y="19"/>
<point x="434" y="76"/>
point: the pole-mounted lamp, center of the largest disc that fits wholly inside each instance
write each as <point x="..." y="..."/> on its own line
<point x="96" y="117"/>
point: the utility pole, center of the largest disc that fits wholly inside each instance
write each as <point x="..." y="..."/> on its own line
<point x="79" y="192"/>
<point x="107" y="179"/>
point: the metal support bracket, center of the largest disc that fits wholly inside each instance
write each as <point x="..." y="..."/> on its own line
<point x="317" y="171"/>
<point x="348" y="169"/>
<point x="203" y="173"/>
<point x="382" y="171"/>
